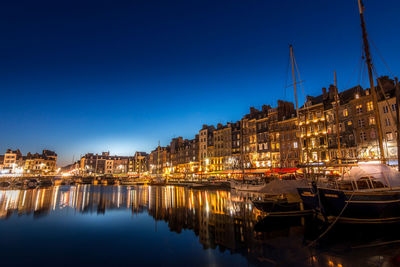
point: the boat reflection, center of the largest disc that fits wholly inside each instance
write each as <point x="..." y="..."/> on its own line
<point x="221" y="220"/>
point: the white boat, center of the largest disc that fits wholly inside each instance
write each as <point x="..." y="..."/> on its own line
<point x="253" y="186"/>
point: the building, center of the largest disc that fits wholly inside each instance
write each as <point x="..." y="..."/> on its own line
<point x="12" y="159"/>
<point x="313" y="133"/>
<point x="139" y="163"/>
<point x="289" y="143"/>
<point x="346" y="119"/>
<point x="45" y="163"/>
<point x="235" y="160"/>
<point x="13" y="162"/>
<point x="388" y="117"/>
<point x="249" y="136"/>
<point x="222" y="159"/>
<point x="104" y="164"/>
<point x="160" y="161"/>
<point x="206" y="147"/>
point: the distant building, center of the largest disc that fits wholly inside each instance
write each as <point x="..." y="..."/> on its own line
<point x="104" y="164"/>
<point x="13" y="162"/>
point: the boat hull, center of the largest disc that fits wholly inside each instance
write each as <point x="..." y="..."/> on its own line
<point x="276" y="208"/>
<point x="361" y="207"/>
<point x="246" y="187"/>
<point x="310" y="198"/>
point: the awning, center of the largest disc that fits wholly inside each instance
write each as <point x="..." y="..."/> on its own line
<point x="282" y="171"/>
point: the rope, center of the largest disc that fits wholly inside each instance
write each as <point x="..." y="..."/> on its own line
<point x="333" y="223"/>
<point x="355" y="70"/>
<point x="301" y="83"/>
<point x="377" y="244"/>
<point x="383" y="60"/>
<point x="287" y="76"/>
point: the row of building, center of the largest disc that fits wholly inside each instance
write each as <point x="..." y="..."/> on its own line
<point x="273" y="139"/>
<point x="13" y="162"/>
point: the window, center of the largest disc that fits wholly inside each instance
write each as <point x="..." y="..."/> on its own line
<point x="371" y="121"/>
<point x="370" y="106"/>
<point x="349" y="123"/>
<point x="387" y="121"/>
<point x="359" y="109"/>
<point x="385" y="109"/>
<point x="313" y="142"/>
<point x="322" y="141"/>
<point x="389" y="136"/>
<point x="345" y="113"/>
<point x="315" y="156"/>
<point x="363" y="136"/>
<point x="341" y="128"/>
<point x="394" y="107"/>
<point x="361" y="123"/>
<point x="294" y="144"/>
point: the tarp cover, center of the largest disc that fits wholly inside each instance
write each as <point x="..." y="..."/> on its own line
<point x="283" y="186"/>
<point x="381" y="172"/>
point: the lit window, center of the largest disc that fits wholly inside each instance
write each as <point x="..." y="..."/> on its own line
<point x="345" y="113"/>
<point x="315" y="156"/>
<point x="359" y="109"/>
<point x="370" y="106"/>
<point x="313" y="142"/>
<point x="295" y="144"/>
<point x="349" y="123"/>
<point x="371" y="121"/>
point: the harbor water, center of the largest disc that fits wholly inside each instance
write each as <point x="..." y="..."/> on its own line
<point x="88" y="225"/>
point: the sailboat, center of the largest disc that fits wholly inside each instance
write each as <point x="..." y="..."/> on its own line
<point x="280" y="197"/>
<point x="369" y="192"/>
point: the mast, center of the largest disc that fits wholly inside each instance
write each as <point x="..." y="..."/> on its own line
<point x="158" y="160"/>
<point x="297" y="105"/>
<point x="337" y="119"/>
<point x="241" y="148"/>
<point x="398" y="121"/>
<point x="371" y="80"/>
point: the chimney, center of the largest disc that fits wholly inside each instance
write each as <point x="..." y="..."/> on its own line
<point x="324" y="93"/>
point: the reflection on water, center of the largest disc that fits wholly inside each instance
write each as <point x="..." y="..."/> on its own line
<point x="221" y="220"/>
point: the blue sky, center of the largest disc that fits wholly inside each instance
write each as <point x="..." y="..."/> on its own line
<point x="92" y="76"/>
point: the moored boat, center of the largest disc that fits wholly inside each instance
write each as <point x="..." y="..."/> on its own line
<point x="252" y="186"/>
<point x="368" y="193"/>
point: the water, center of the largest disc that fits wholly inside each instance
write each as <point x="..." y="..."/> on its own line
<point x="87" y="225"/>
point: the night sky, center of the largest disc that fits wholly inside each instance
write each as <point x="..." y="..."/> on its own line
<point x="92" y="76"/>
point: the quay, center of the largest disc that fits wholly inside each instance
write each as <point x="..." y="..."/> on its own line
<point x="32" y="181"/>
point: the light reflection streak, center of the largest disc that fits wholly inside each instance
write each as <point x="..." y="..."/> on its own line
<point x="217" y="217"/>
